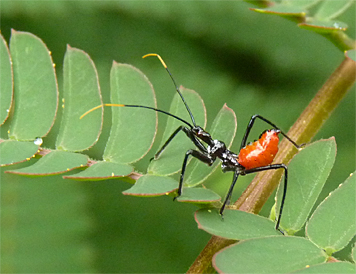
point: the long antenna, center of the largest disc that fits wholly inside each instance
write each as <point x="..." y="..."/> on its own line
<point x="174" y="82"/>
<point x="137" y="106"/>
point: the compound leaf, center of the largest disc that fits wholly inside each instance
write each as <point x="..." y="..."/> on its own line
<point x="329" y="268"/>
<point x="333" y="224"/>
<point x="81" y="92"/>
<point x="53" y="163"/>
<point x="13" y="152"/>
<point x="330" y="9"/>
<point x="198" y="196"/>
<point x="6" y="83"/>
<point x="133" y="129"/>
<point x="236" y="224"/>
<point x="151" y="186"/>
<point x="307" y="173"/>
<point x="35" y="85"/>
<point x="102" y="171"/>
<point x="274" y="254"/>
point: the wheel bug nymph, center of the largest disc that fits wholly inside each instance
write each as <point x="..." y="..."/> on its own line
<point x="254" y="157"/>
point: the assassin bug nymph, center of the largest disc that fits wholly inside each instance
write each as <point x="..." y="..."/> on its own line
<point x="253" y="157"/>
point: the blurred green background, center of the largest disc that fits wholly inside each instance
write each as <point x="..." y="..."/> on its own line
<point x="255" y="63"/>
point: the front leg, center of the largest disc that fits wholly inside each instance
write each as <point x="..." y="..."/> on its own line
<point x="188" y="132"/>
<point x="204" y="157"/>
<point x="169" y="140"/>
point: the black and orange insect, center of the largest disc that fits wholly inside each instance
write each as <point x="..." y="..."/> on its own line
<point x="254" y="157"/>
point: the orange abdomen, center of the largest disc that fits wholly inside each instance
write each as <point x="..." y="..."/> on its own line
<point x="261" y="152"/>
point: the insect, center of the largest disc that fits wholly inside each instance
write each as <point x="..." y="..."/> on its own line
<point x="254" y="157"/>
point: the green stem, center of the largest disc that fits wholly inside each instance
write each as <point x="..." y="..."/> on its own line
<point x="303" y="130"/>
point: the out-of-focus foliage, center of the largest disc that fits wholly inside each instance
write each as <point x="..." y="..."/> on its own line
<point x="225" y="52"/>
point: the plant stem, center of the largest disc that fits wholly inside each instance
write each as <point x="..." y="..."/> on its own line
<point x="303" y="130"/>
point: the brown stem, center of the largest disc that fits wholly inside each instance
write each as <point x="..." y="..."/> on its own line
<point x="303" y="130"/>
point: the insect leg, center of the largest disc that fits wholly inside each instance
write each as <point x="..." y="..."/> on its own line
<point x="229" y="193"/>
<point x="275" y="166"/>
<point x="187" y="131"/>
<point x="250" y="124"/>
<point x="200" y="156"/>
